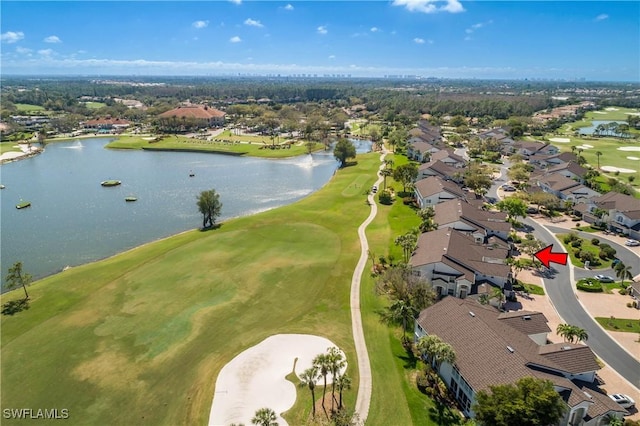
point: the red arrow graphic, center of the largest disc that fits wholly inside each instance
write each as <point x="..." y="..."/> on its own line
<point x="546" y="257"/>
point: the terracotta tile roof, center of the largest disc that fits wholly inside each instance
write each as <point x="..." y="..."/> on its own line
<point x="195" y="111"/>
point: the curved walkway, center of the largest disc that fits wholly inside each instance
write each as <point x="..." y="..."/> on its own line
<point x="363" y="399"/>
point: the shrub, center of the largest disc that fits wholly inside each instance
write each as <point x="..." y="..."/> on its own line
<point x="623" y="291"/>
<point x="609" y="251"/>
<point x="595" y="241"/>
<point x="590" y="285"/>
<point x="630" y="305"/>
<point x="576" y="243"/>
<point x="385" y="197"/>
<point x="422" y="382"/>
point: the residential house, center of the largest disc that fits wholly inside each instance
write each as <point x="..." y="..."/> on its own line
<point x="456" y="263"/>
<point x="570" y="170"/>
<point x="499" y="134"/>
<point x="564" y="188"/>
<point x="429" y="133"/>
<point x="421" y="151"/>
<point x="433" y="190"/>
<point x="209" y="117"/>
<point x="544" y="161"/>
<point x="465" y="217"/>
<point x="441" y="170"/>
<point x="494" y="348"/>
<point x="634" y="290"/>
<point x="621" y="213"/>
<point x="529" y="148"/>
<point x="449" y="158"/>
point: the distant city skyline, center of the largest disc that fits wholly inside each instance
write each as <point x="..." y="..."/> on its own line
<point x="571" y="40"/>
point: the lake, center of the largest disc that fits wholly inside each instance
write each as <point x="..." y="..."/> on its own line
<point x="73" y="220"/>
<point x="594" y="124"/>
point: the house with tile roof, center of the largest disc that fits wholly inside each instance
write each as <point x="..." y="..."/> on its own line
<point x="465" y="217"/>
<point x="494" y="348"/>
<point x="622" y="213"/>
<point x="545" y="161"/>
<point x="456" y="263"/>
<point x="563" y="187"/>
<point x="441" y="170"/>
<point x="210" y="117"/>
<point x="433" y="190"/>
<point x="421" y="151"/>
<point x="106" y="124"/>
<point x="528" y="148"/>
<point x="449" y="158"/>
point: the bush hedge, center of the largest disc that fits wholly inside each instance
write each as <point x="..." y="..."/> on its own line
<point x="590" y="285"/>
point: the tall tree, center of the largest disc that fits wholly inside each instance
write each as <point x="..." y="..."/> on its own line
<point x="17" y="277"/>
<point x="385" y="173"/>
<point x="426" y="215"/>
<point x="336" y="363"/>
<point x="323" y="364"/>
<point x="623" y="272"/>
<point x="210" y="206"/>
<point x="408" y="243"/>
<point x="530" y="402"/>
<point x="308" y="378"/>
<point x="264" y="417"/>
<point x="598" y="154"/>
<point x="405" y="174"/>
<point x="343" y="382"/>
<point x="435" y="350"/>
<point x="572" y="333"/>
<point x="344" y="150"/>
<point x="514" y="207"/>
<point x="401" y="312"/>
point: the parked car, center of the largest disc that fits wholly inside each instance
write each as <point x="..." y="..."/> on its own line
<point x="632" y="243"/>
<point x="604" y="278"/>
<point x="624" y="401"/>
<point x="374" y="189"/>
<point x="531" y="210"/>
<point x="508" y="188"/>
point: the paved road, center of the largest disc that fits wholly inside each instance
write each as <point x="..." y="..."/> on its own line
<point x="363" y="399"/>
<point x="561" y="293"/>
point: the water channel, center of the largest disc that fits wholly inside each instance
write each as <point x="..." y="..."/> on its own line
<point x="73" y="220"/>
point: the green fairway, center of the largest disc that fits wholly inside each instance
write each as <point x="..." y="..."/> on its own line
<point x="236" y="147"/>
<point x="95" y="105"/>
<point x="139" y="338"/>
<point x="28" y="108"/>
<point x="612" y="113"/>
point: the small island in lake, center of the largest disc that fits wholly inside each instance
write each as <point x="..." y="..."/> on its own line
<point x="110" y="183"/>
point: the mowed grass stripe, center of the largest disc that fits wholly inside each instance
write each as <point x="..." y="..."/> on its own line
<point x="139" y="338"/>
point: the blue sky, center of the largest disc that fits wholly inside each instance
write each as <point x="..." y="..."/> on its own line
<point x="441" y="38"/>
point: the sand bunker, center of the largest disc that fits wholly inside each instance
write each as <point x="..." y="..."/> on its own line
<point x="629" y="148"/>
<point x="632" y="113"/>
<point x="611" y="109"/>
<point x="616" y="169"/>
<point x="584" y="146"/>
<point x="599" y="112"/>
<point x="256" y="378"/>
<point x="10" y="155"/>
<point x="560" y="140"/>
<point x="633" y="158"/>
<point x="149" y="138"/>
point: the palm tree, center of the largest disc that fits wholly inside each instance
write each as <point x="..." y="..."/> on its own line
<point x="579" y="334"/>
<point x="401" y="311"/>
<point x="427" y="346"/>
<point x="444" y="353"/>
<point x="598" y="154"/>
<point x="564" y="330"/>
<point x="323" y="363"/>
<point x="343" y="382"/>
<point x="572" y="333"/>
<point x="408" y="243"/>
<point x="336" y="363"/>
<point x="623" y="272"/>
<point x="385" y="173"/>
<point x="498" y="293"/>
<point x="308" y="378"/>
<point x="427" y="214"/>
<point x="264" y="417"/>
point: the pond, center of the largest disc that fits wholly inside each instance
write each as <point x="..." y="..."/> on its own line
<point x="590" y="130"/>
<point x="74" y="220"/>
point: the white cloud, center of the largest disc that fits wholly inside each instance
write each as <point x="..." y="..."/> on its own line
<point x="288" y="7"/>
<point x="602" y="17"/>
<point x="12" y="36"/>
<point x="374" y="29"/>
<point x="23" y="50"/>
<point x="322" y="29"/>
<point x="253" y="23"/>
<point x="477" y="26"/>
<point x="430" y="6"/>
<point x="235" y="39"/>
<point x="332" y="56"/>
<point x="418" y="40"/>
<point x="236" y="1"/>
<point x="52" y="39"/>
<point x="45" y="52"/>
<point x="200" y="24"/>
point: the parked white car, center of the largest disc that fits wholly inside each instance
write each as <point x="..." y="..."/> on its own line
<point x="632" y="243"/>
<point x="624" y="401"/>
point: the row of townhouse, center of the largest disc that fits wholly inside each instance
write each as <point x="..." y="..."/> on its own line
<point x="494" y="348"/>
<point x="620" y="212"/>
<point x="466" y="255"/>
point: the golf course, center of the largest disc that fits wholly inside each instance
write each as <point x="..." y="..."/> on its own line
<point x="140" y="337"/>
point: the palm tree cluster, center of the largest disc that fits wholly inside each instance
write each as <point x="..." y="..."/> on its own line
<point x="332" y="362"/>
<point x="572" y="333"/>
<point x="434" y="351"/>
<point x="408" y="295"/>
<point x="623" y="272"/>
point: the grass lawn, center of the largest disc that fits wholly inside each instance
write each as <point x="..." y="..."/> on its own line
<point x="28" y="107"/>
<point x="95" y="105"/>
<point x="612" y="113"/>
<point x="184" y="143"/>
<point x="620" y="324"/>
<point x="8" y="147"/>
<point x="533" y="288"/>
<point x="586" y="245"/>
<point x="139" y="338"/>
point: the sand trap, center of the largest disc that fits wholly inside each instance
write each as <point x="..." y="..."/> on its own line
<point x="584" y="146"/>
<point x="599" y="112"/>
<point x="632" y="113"/>
<point x="629" y="148"/>
<point x="256" y="378"/>
<point x="633" y="158"/>
<point x="560" y="140"/>
<point x="11" y="155"/>
<point x="149" y="138"/>
<point x="616" y="169"/>
<point x="588" y="146"/>
<point x="611" y="109"/>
